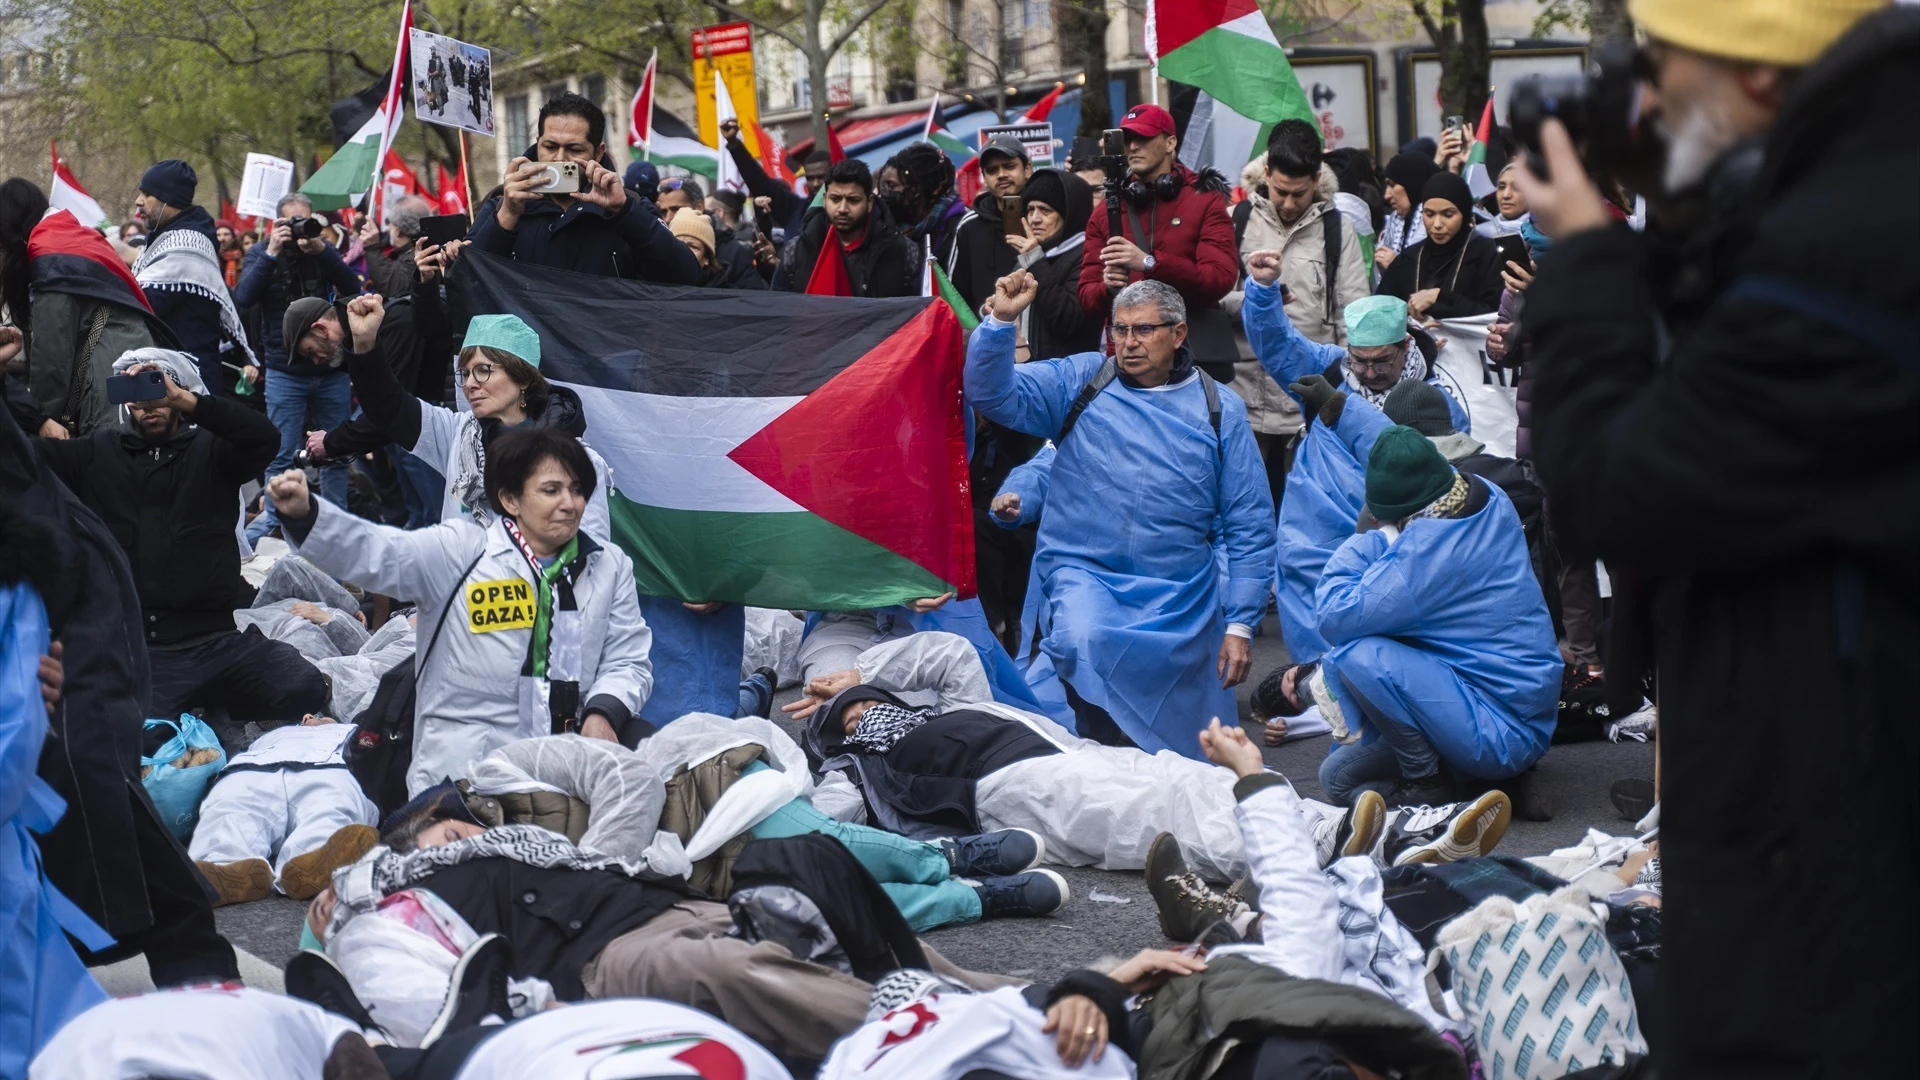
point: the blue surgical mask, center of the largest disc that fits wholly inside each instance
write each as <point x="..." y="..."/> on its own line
<point x="309" y="943"/>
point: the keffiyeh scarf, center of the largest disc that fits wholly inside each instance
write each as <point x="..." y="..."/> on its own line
<point x="1449" y="504"/>
<point x="184" y="260"/>
<point x="884" y="724"/>
<point x="470" y="470"/>
<point x="1414" y="367"/>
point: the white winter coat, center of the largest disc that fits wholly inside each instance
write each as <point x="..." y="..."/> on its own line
<point x="469" y="698"/>
<point x="444" y="431"/>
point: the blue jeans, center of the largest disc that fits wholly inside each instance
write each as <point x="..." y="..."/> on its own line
<point x="914" y="874"/>
<point x="295" y="404"/>
<point x="1387" y="751"/>
<point x="422" y="487"/>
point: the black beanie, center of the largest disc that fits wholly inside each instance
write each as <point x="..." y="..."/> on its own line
<point x="1420" y="406"/>
<point x="1448" y="186"/>
<point x="1410" y="171"/>
<point x="1045" y="186"/>
<point x="171" y="181"/>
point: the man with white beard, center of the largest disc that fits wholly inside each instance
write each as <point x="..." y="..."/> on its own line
<point x="1726" y="415"/>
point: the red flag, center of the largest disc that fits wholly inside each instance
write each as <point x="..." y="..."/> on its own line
<point x="967" y="183"/>
<point x="399" y="176"/>
<point x="771" y="159"/>
<point x="640" y="113"/>
<point x="1045" y="105"/>
<point x="835" y="152"/>
<point x="1485" y="132"/>
<point x="829" y="277"/>
<point x="453" y="192"/>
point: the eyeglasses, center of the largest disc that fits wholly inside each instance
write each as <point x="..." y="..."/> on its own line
<point x="1382" y="365"/>
<point x="479" y="372"/>
<point x="1140" y="332"/>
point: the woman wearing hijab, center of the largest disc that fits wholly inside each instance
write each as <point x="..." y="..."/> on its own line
<point x="1406" y="177"/>
<point x="1057" y="206"/>
<point x="1453" y="272"/>
<point x="532" y="625"/>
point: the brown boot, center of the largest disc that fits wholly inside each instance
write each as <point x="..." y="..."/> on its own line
<point x="239" y="882"/>
<point x="305" y="875"/>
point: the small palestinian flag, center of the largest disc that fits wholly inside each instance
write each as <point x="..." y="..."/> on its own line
<point x="936" y="133"/>
<point x="1478" y="182"/>
<point x="671" y="142"/>
<point x="772" y="449"/>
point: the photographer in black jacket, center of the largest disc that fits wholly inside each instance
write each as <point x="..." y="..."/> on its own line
<point x="167" y="484"/>
<point x="1726" y="415"/>
<point x="605" y="229"/>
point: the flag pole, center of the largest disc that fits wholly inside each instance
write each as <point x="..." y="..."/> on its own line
<point x="466" y="178"/>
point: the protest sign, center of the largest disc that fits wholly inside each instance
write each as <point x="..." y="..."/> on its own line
<point x="728" y="50"/>
<point x="452" y="82"/>
<point x="1036" y="136"/>
<point x="265" y="180"/>
<point x="1485" y="389"/>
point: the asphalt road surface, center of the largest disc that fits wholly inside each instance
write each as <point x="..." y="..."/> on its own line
<point x="1576" y="778"/>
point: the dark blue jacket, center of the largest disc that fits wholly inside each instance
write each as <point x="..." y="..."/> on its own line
<point x="273" y="283"/>
<point x="629" y="243"/>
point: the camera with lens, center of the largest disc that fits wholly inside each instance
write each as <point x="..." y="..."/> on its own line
<point x="1601" y="109"/>
<point x="305" y="228"/>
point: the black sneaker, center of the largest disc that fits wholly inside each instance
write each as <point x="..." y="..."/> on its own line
<point x="1530" y="799"/>
<point x="763" y="682"/>
<point x="313" y="976"/>
<point x="1633" y="797"/>
<point x="1433" y="789"/>
<point x="1034" y="893"/>
<point x="477" y="990"/>
<point x="995" y="854"/>
<point x="1448" y="832"/>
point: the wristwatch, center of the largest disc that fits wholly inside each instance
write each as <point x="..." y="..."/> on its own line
<point x="1149" y="264"/>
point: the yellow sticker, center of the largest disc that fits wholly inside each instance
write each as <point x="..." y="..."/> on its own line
<point x="505" y="604"/>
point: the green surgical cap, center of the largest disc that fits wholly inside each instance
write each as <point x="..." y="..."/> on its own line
<point x="1371" y="320"/>
<point x="509" y="335"/>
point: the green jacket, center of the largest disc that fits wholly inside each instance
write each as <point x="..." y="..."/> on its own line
<point x="67" y="366"/>
<point x="1198" y="1019"/>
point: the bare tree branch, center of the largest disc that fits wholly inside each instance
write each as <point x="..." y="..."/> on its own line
<point x="854" y="26"/>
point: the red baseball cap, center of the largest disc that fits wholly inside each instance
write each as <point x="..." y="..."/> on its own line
<point x="1147" y="121"/>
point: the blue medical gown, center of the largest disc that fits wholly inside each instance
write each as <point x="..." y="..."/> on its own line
<point x="1324" y="494"/>
<point x="1445" y="630"/>
<point x="696" y="659"/>
<point x="1127" y="604"/>
<point x="45" y="983"/>
<point x="1287" y="354"/>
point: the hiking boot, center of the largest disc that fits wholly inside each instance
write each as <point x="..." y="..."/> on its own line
<point x="995" y="854"/>
<point x="238" y="882"/>
<point x="1186" y="905"/>
<point x="1446" y="833"/>
<point x="1338" y="834"/>
<point x="1528" y="795"/>
<point x="305" y="875"/>
<point x="477" y="990"/>
<point x="1032" y="894"/>
<point x="313" y="976"/>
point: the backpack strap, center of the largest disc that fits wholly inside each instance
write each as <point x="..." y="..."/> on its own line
<point x="1886" y="330"/>
<point x="1108" y="371"/>
<point x="1330" y="226"/>
<point x="1212" y="390"/>
<point x="459" y="585"/>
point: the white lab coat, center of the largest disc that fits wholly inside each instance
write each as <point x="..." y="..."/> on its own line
<point x="469" y="698"/>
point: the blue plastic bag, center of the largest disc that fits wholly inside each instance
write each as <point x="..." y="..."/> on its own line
<point x="177" y="792"/>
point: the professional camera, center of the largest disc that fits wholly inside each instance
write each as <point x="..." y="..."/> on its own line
<point x="305" y="228"/>
<point x="1601" y="109"/>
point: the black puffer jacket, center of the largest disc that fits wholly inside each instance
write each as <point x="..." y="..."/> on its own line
<point x="981" y="254"/>
<point x="628" y="243"/>
<point x="1759" y="484"/>
<point x="172" y="507"/>
<point x="885" y="264"/>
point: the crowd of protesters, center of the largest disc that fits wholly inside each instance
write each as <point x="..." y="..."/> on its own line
<point x="310" y="585"/>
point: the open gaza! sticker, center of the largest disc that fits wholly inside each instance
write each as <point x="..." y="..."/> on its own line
<point x="505" y="604"/>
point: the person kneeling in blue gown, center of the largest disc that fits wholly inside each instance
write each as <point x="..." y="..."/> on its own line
<point x="1443" y="664"/>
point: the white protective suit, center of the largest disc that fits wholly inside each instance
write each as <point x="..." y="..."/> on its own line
<point x="1094" y="805"/>
<point x="471" y="698"/>
<point x="947" y="1036"/>
<point x="285" y="796"/>
<point x="638" y="1037"/>
<point x="624" y="793"/>
<point x="198" y="1033"/>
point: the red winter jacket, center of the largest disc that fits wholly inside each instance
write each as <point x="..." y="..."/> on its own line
<point x="1193" y="247"/>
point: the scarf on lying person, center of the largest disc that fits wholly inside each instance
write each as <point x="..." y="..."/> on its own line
<point x="551" y="670"/>
<point x="884" y="724"/>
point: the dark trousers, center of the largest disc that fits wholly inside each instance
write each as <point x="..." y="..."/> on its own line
<point x="249" y="674"/>
<point x="1090" y="721"/>
<point x="182" y="945"/>
<point x="1003" y="560"/>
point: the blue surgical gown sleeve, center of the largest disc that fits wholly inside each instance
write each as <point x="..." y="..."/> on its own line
<point x="1456" y="411"/>
<point x="1246" y="515"/>
<point x="1281" y="349"/>
<point x="1033" y="397"/>
<point x="1029" y="481"/>
<point x="1365" y="591"/>
<point x="1361" y="422"/>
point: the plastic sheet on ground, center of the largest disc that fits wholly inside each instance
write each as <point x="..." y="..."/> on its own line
<point x="622" y="790"/>
<point x="357" y="676"/>
<point x="773" y="641"/>
<point x="294" y="578"/>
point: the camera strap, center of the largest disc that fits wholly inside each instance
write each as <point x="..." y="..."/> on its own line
<point x="1133" y="222"/>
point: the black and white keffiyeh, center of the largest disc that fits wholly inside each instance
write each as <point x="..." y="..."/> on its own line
<point x="1412" y="369"/>
<point x="184" y="260"/>
<point x="884" y="724"/>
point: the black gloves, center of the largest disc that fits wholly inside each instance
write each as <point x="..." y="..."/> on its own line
<point x="1315" y="394"/>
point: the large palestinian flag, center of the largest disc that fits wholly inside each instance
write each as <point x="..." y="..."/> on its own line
<point x="774" y="449"/>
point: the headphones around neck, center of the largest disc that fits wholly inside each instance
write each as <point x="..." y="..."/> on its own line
<point x="1165" y="187"/>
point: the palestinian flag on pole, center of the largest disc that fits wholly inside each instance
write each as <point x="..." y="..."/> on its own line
<point x="1478" y="182"/>
<point x="1226" y="48"/>
<point x="937" y="134"/>
<point x="640" y="113"/>
<point x="353" y="169"/>
<point x="67" y="194"/>
<point x="772" y="449"/>
<point x="934" y="282"/>
<point x="671" y="142"/>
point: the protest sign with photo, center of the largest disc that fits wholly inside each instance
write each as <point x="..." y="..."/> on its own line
<point x="452" y="82"/>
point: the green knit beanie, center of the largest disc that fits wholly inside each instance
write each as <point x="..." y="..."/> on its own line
<point x="1404" y="474"/>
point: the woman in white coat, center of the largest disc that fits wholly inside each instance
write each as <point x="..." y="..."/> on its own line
<point x="531" y="626"/>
